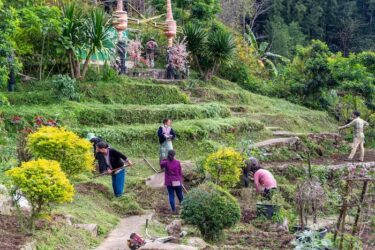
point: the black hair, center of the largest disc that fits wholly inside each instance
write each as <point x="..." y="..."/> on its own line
<point x="357" y="113"/>
<point x="166" y="120"/>
<point x="254" y="168"/>
<point x="102" y="145"/>
<point x="171" y="155"/>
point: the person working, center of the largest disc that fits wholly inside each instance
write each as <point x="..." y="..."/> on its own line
<point x="166" y="135"/>
<point x="172" y="178"/>
<point x="358" y="136"/>
<point x="264" y="181"/>
<point x="115" y="165"/>
<point x="246" y="170"/>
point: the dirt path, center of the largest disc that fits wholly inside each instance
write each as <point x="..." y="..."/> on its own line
<point x="117" y="239"/>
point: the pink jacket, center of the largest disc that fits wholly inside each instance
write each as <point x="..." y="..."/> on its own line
<point x="263" y="178"/>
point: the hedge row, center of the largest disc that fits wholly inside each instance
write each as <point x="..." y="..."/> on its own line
<point x="76" y="114"/>
<point x="132" y="93"/>
<point x="44" y="97"/>
<point x="117" y="114"/>
<point x="189" y="130"/>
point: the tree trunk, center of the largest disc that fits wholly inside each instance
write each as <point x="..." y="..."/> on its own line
<point x="71" y="64"/>
<point x="86" y="64"/>
<point x="41" y="60"/>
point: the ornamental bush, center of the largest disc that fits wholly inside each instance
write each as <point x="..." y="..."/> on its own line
<point x="74" y="153"/>
<point x="211" y="209"/>
<point x="42" y="183"/>
<point x="224" y="166"/>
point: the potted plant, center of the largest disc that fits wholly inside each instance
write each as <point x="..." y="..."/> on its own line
<point x="270" y="208"/>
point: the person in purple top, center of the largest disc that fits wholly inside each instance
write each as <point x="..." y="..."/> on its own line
<point x="173" y="178"/>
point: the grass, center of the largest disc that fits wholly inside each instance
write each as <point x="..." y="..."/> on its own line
<point x="127" y="114"/>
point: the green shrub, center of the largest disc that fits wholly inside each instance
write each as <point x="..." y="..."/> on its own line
<point x="3" y="100"/>
<point x="74" y="153"/>
<point x="190" y="130"/>
<point x="65" y="87"/>
<point x="42" y="182"/>
<point x="225" y="167"/>
<point x="108" y="114"/>
<point x="211" y="209"/>
<point x="43" y="97"/>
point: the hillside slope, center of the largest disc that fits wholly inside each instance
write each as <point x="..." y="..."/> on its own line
<point x="127" y="113"/>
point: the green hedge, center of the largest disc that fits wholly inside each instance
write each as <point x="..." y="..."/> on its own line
<point x="189" y="130"/>
<point x="73" y="114"/>
<point x="132" y="93"/>
<point x="32" y="98"/>
<point x="118" y="114"/>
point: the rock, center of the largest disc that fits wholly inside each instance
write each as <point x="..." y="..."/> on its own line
<point x="166" y="246"/>
<point x="23" y="203"/>
<point x="29" y="246"/>
<point x="174" y="229"/>
<point x="156" y="181"/>
<point x="284" y="226"/>
<point x="91" y="228"/>
<point x="198" y="242"/>
<point x="5" y="201"/>
<point x="288" y="141"/>
<point x="63" y="219"/>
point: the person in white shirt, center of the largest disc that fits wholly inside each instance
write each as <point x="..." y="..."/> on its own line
<point x="358" y="136"/>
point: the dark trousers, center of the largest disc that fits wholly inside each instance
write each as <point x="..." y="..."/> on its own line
<point x="268" y="193"/>
<point x="118" y="182"/>
<point x="245" y="181"/>
<point x="171" y="191"/>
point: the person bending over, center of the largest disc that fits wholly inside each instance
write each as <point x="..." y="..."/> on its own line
<point x="264" y="181"/>
<point x="115" y="163"/>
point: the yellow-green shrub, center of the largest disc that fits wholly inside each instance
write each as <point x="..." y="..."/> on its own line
<point x="42" y="182"/>
<point x="74" y="153"/>
<point x="224" y="166"/>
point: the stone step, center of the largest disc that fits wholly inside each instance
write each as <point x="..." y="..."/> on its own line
<point x="281" y="133"/>
<point x="282" y="141"/>
<point x="273" y="128"/>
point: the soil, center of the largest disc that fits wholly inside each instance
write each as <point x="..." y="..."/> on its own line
<point x="336" y="159"/>
<point x="261" y="240"/>
<point x="92" y="188"/>
<point x="11" y="236"/>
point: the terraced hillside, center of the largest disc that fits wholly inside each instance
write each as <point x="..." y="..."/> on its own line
<point x="128" y="112"/>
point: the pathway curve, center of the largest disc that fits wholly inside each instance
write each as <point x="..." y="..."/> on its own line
<point x="117" y="239"/>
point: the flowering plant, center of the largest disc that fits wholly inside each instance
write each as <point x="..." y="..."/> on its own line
<point x="360" y="169"/>
<point x="135" y="50"/>
<point x="178" y="55"/>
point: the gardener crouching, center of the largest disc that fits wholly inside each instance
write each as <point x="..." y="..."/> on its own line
<point x="172" y="178"/>
<point x="115" y="163"/>
<point x="264" y="181"/>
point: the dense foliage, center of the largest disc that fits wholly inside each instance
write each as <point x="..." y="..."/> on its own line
<point x="52" y="143"/>
<point x="225" y="167"/>
<point x="42" y="182"/>
<point x="211" y="209"/>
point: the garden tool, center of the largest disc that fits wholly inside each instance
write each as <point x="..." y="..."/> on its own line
<point x="149" y="164"/>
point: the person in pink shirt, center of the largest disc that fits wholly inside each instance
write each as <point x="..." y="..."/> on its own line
<point x="264" y="181"/>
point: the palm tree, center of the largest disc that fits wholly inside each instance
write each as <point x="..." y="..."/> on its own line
<point x="196" y="38"/>
<point x="73" y="36"/>
<point x="98" y="26"/>
<point x="221" y="48"/>
<point x="209" y="50"/>
<point x="261" y="52"/>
